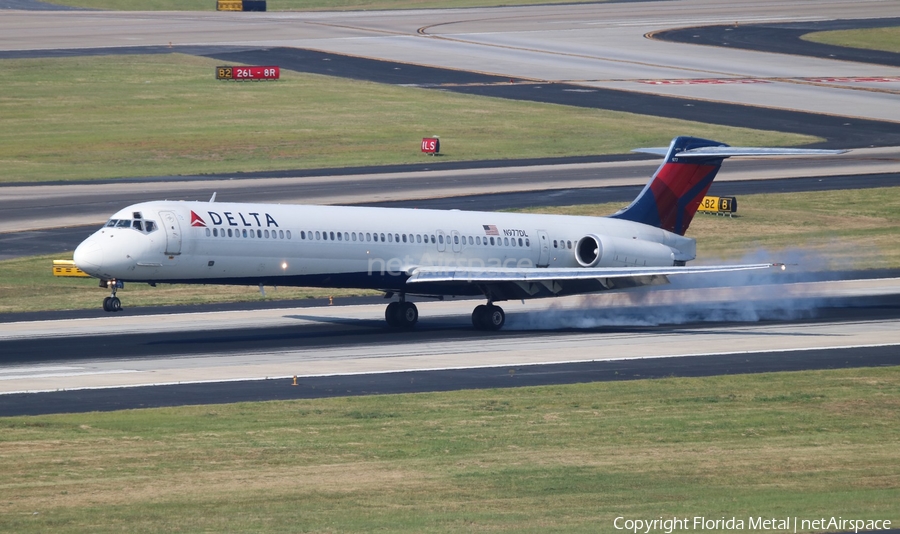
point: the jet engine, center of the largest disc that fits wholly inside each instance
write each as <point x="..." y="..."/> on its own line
<point x="605" y="251"/>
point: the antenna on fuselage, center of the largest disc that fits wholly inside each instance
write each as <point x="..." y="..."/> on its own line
<point x="212" y="198"/>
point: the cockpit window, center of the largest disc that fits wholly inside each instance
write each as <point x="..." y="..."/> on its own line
<point x="138" y="224"/>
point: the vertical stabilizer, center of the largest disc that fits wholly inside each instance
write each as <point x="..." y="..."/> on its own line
<point x="671" y="198"/>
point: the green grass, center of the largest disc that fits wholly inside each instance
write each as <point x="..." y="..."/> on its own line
<point x="546" y="459"/>
<point x="851" y="229"/>
<point x="159" y="115"/>
<point x="886" y="39"/>
<point x="300" y="5"/>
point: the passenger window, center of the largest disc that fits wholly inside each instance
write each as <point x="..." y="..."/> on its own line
<point x="353" y="236"/>
<point x="441" y="239"/>
<point x="456" y="239"/>
<point x="215" y="231"/>
<point x="492" y="240"/>
<point x="418" y="238"/>
<point x="244" y="233"/>
<point x="404" y="238"/>
<point x="527" y="242"/>
<point x="554" y="244"/>
<point x="520" y="242"/>
<point x="208" y="232"/>
<point x="281" y="234"/>
<point x="346" y="236"/>
<point x="382" y="238"/>
<point x="302" y="234"/>
<point x="229" y="232"/>
<point x="506" y="241"/>
<point x="288" y="234"/>
<point x="330" y="234"/>
<point x="432" y="239"/>
<point x="259" y="234"/>
<point x="397" y="238"/>
<point x="569" y="244"/>
<point x="368" y="237"/>
<point x="340" y="237"/>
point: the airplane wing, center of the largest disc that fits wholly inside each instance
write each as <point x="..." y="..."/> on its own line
<point x="490" y="275"/>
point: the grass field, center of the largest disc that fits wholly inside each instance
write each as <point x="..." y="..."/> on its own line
<point x="547" y="459"/>
<point x="887" y="39"/>
<point x="159" y="115"/>
<point x="854" y="229"/>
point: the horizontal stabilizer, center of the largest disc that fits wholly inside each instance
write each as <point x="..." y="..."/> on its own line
<point x="733" y="151"/>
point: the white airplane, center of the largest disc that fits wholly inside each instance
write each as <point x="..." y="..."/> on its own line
<point x="432" y="253"/>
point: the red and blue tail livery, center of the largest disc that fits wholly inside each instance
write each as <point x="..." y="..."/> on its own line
<point x="671" y="198"/>
<point x="673" y="195"/>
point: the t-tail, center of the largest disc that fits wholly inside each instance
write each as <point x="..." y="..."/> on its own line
<point x="672" y="196"/>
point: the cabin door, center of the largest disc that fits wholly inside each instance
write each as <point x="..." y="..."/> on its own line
<point x="544" y="242"/>
<point x="173" y="232"/>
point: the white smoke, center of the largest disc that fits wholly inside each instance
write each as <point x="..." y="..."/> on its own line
<point x="742" y="296"/>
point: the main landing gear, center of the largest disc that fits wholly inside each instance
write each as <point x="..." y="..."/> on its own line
<point x="112" y="302"/>
<point x="401" y="314"/>
<point x="405" y="315"/>
<point x="488" y="317"/>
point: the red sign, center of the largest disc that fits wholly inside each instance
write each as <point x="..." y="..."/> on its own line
<point x="431" y="145"/>
<point x="247" y="73"/>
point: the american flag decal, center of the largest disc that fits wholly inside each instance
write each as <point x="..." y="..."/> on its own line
<point x="490" y="229"/>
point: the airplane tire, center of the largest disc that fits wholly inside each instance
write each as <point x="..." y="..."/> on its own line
<point x="408" y="315"/>
<point x="106" y="304"/>
<point x="479" y="317"/>
<point x="115" y="305"/>
<point x="392" y="314"/>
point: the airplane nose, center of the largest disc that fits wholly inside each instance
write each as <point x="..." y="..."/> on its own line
<point x="88" y="256"/>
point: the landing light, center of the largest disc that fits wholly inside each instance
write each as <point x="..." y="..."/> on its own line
<point x="284" y="265"/>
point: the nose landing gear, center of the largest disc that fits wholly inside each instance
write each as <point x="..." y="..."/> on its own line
<point x="112" y="302"/>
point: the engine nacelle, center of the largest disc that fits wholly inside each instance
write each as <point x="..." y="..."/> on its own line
<point x="605" y="251"/>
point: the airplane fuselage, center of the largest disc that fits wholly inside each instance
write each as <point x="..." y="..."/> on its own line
<point x="353" y="247"/>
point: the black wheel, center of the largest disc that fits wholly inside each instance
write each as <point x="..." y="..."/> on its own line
<point x="494" y="318"/>
<point x="407" y="314"/>
<point x="392" y="314"/>
<point x="115" y="304"/>
<point x="479" y="317"/>
<point x="106" y="304"/>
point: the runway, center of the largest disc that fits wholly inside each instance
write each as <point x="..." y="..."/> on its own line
<point x="682" y="331"/>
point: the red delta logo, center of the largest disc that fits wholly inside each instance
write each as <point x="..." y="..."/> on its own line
<point x="196" y="220"/>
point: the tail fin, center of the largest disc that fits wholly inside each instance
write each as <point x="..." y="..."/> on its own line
<point x="673" y="195"/>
